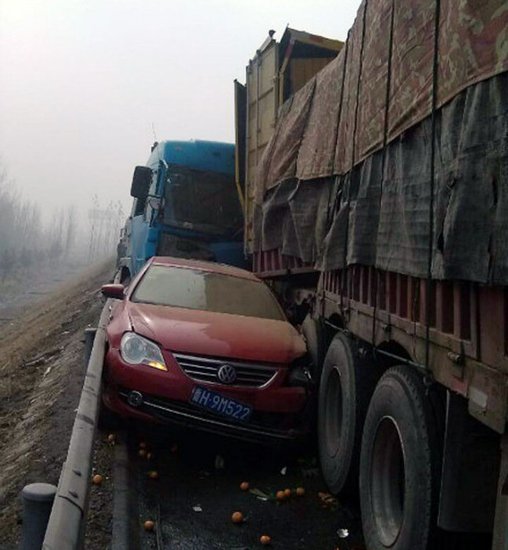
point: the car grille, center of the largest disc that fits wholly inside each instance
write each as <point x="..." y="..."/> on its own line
<point x="206" y="369"/>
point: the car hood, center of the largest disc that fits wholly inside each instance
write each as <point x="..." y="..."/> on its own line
<point x="217" y="334"/>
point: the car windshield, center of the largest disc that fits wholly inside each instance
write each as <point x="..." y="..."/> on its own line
<point x="207" y="291"/>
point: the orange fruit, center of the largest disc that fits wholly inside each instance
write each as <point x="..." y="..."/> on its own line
<point x="280" y="496"/>
<point x="237" y="517"/>
<point x="149" y="525"/>
<point x="97" y="479"/>
<point x="142" y="452"/>
<point x="300" y="491"/>
<point x="244" y="485"/>
<point x="152" y="474"/>
<point x="265" y="540"/>
<point x="287" y="493"/>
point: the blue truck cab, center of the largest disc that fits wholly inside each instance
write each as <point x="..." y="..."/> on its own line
<point x="185" y="204"/>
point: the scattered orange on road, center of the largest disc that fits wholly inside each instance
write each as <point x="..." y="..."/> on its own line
<point x="280" y="496"/>
<point x="149" y="525"/>
<point x="237" y="517"/>
<point x="97" y="479"/>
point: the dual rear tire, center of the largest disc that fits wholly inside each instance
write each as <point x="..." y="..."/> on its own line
<point x="383" y="440"/>
<point x="400" y="464"/>
<point x="346" y="385"/>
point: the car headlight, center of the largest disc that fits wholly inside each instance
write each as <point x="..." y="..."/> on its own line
<point x="137" y="350"/>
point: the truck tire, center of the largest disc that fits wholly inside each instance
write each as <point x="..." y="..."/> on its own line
<point x="400" y="464"/>
<point x="346" y="384"/>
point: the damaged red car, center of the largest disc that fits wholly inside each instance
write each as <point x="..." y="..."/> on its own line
<point x="206" y="346"/>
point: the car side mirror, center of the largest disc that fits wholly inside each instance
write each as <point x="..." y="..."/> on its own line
<point x="141" y="182"/>
<point x="115" y="291"/>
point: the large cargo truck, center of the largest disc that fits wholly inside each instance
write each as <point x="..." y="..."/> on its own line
<point x="186" y="205"/>
<point x="378" y="209"/>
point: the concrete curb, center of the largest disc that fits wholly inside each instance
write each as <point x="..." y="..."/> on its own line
<point x="125" y="534"/>
<point x="66" y="526"/>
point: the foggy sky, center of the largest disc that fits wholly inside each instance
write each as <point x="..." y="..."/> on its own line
<point x="83" y="82"/>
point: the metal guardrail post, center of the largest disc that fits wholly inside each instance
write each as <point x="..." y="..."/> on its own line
<point x="66" y="526"/>
<point x="37" y="502"/>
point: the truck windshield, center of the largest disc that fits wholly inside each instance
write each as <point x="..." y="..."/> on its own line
<point x="206" y="291"/>
<point x="202" y="201"/>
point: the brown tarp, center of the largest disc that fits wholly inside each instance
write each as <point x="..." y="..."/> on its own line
<point x="379" y="211"/>
<point x="412" y="61"/>
<point x="473" y="46"/>
<point x="315" y="157"/>
<point x="278" y="162"/>
<point x="343" y="161"/>
<point x="374" y="78"/>
<point x="473" y="40"/>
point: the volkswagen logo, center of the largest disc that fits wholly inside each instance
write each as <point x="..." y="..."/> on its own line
<point x="226" y="374"/>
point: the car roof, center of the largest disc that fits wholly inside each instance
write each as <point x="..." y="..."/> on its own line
<point x="201" y="265"/>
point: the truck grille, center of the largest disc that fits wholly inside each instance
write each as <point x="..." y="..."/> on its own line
<point x="206" y="369"/>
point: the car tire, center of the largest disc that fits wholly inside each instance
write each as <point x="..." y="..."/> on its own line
<point x="400" y="464"/>
<point x="346" y="385"/>
<point x="107" y="420"/>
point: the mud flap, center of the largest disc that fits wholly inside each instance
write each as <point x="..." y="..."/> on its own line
<point x="470" y="471"/>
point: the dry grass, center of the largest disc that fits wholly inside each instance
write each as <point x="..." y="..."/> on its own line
<point x="41" y="372"/>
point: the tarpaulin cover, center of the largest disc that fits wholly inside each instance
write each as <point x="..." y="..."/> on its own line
<point x="373" y="81"/>
<point x="473" y="46"/>
<point x="379" y="212"/>
<point x="279" y="158"/>
<point x="316" y="154"/>
<point x="412" y="62"/>
<point x="343" y="161"/>
<point x="294" y="219"/>
<point x="386" y="220"/>
<point x="473" y="39"/>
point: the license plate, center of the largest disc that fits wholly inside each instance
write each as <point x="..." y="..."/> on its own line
<point x="218" y="404"/>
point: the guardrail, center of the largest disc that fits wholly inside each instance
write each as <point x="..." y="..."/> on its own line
<point x="66" y="526"/>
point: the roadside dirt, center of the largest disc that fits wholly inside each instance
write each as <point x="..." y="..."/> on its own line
<point x="41" y="376"/>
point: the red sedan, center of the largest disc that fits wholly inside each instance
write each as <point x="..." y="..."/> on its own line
<point x="207" y="346"/>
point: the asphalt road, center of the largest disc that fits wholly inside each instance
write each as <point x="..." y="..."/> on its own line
<point x="198" y="489"/>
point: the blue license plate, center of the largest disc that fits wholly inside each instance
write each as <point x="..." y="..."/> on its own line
<point x="218" y="404"/>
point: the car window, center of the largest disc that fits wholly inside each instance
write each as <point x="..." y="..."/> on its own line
<point x="194" y="289"/>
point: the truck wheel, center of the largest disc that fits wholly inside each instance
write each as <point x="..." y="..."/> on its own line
<point x="347" y="382"/>
<point x="400" y="464"/>
<point x="314" y="339"/>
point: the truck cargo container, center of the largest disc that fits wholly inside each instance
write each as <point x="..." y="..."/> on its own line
<point x="378" y="209"/>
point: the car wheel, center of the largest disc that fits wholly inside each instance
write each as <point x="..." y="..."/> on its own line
<point x="346" y="384"/>
<point x="107" y="419"/>
<point x="400" y="464"/>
